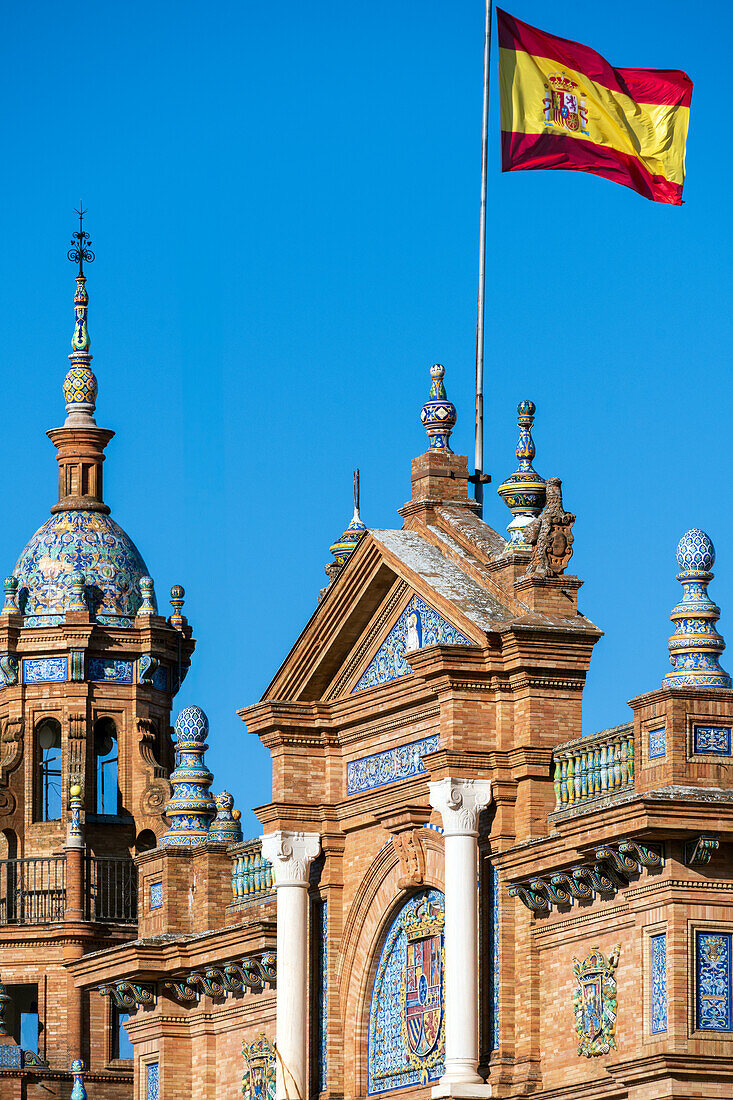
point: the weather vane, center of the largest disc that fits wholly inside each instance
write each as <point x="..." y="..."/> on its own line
<point x="79" y="252"/>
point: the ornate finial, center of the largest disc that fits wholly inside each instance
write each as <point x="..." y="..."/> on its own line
<point x="78" y="1068"/>
<point x="10" y="584"/>
<point x="80" y="251"/>
<point x="178" y="620"/>
<point x="80" y="385"/>
<point x="346" y="543"/>
<point x="695" y="645"/>
<point x="147" y="591"/>
<point x="75" y="591"/>
<point x="191" y="808"/>
<point x="523" y="492"/>
<point x="74" y="828"/>
<point x="225" y="828"/>
<point x="438" y="414"/>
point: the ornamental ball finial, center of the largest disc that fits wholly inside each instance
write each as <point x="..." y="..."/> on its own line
<point x="695" y="646"/>
<point x="75" y="791"/>
<point x="438" y="415"/>
<point x="178" y="619"/>
<point x="191" y="808"/>
<point x="695" y="551"/>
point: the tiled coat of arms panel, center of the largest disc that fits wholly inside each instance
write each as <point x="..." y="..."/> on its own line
<point x="406" y="1020"/>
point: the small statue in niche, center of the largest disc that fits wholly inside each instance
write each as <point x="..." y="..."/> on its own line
<point x="551" y="534"/>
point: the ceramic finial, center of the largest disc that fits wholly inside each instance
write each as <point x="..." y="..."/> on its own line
<point x="695" y="645"/>
<point x="177" y="619"/>
<point x="78" y="1068"/>
<point x="191" y="808"/>
<point x="147" y="592"/>
<point x="75" y="828"/>
<point x="10" y="584"/>
<point x="225" y="828"/>
<point x="75" y="590"/>
<point x="438" y="414"/>
<point x="523" y="492"/>
<point x="80" y="384"/>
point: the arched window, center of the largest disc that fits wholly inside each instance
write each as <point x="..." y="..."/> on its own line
<point x="48" y="791"/>
<point x="105" y="766"/>
<point x="406" y="1043"/>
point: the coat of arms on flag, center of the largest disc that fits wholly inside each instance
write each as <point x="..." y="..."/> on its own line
<point x="594" y="1002"/>
<point x="564" y="104"/>
<point x="423" y="1024"/>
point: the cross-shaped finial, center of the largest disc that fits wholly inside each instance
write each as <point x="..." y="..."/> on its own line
<point x="79" y="252"/>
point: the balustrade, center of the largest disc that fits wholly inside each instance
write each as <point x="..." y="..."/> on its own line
<point x="594" y="767"/>
<point x="251" y="872"/>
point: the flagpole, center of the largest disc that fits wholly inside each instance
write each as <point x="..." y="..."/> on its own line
<point x="479" y="476"/>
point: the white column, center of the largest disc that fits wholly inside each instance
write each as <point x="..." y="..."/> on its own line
<point x="459" y="802"/>
<point x="290" y="855"/>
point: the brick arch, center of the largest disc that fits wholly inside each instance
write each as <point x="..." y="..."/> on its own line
<point x="376" y="904"/>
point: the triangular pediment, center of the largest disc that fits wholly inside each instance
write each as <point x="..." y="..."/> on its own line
<point x="396" y="594"/>
<point x="419" y="625"/>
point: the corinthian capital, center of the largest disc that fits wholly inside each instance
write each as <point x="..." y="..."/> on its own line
<point x="459" y="802"/>
<point x="291" y="855"/>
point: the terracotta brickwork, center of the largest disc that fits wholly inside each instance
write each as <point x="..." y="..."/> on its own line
<point x="440" y="654"/>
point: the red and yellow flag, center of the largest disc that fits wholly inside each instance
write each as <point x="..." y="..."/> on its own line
<point x="564" y="106"/>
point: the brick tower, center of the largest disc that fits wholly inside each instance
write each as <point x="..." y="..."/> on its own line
<point x="88" y="671"/>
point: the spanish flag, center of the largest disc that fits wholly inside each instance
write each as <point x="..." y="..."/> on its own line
<point x="564" y="106"/>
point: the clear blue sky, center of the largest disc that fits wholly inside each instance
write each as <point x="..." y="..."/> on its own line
<point x="283" y="199"/>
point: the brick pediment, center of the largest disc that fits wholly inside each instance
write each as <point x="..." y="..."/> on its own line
<point x="397" y="594"/>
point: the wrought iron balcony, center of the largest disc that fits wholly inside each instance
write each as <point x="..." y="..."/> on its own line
<point x="33" y="890"/>
<point x="594" y="767"/>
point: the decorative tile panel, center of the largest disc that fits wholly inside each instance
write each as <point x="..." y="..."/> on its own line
<point x="406" y="1044"/>
<point x="45" y="670"/>
<point x="389" y="766"/>
<point x="417" y="627"/>
<point x="711" y="740"/>
<point x="323" y="1000"/>
<point x="152" y="1081"/>
<point x="713" y="966"/>
<point x="657" y="743"/>
<point x="109" y="670"/>
<point x="156" y="895"/>
<point x="10" y="1057"/>
<point x="494" y="949"/>
<point x="659" y="982"/>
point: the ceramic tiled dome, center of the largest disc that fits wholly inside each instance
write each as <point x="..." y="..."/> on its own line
<point x="83" y="542"/>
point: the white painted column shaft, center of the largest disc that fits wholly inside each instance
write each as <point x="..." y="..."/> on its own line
<point x="290" y="855"/>
<point x="460" y="802"/>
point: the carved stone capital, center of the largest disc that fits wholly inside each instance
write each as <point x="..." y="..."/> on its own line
<point x="291" y="855"/>
<point x="459" y="802"/>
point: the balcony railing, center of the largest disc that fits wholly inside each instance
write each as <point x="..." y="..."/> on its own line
<point x="594" y="767"/>
<point x="251" y="874"/>
<point x="33" y="890"/>
<point x="111" y="889"/>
